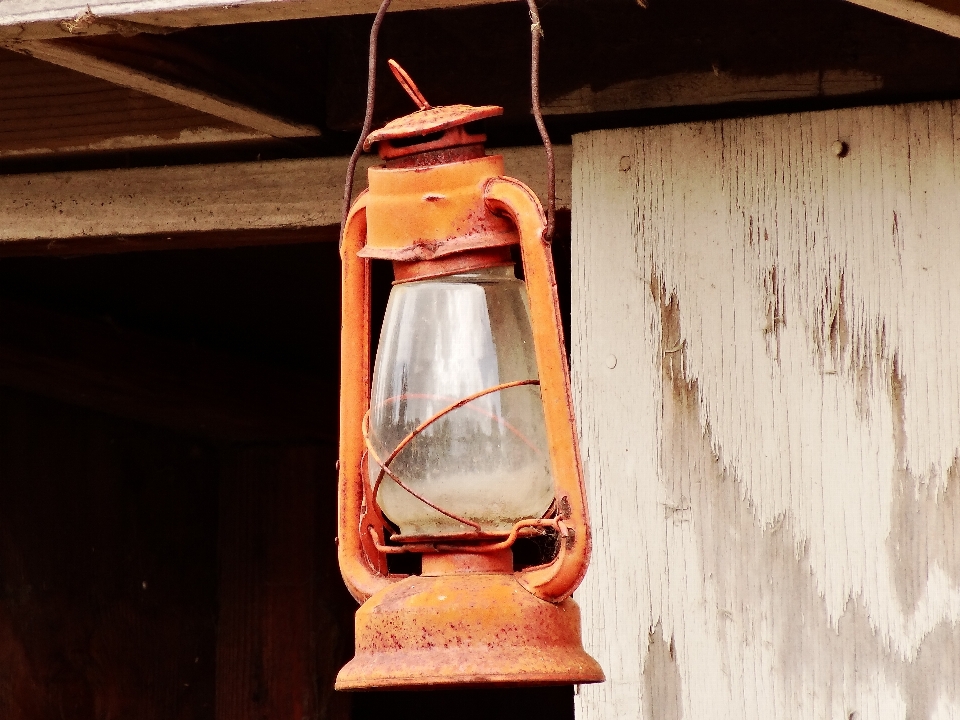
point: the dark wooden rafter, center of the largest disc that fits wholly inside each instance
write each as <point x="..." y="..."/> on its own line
<point x="604" y="64"/>
<point x="170" y="70"/>
<point x="46" y="110"/>
<point x="608" y="64"/>
<point x="95" y="364"/>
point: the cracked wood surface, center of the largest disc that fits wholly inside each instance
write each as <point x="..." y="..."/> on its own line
<point x="766" y="334"/>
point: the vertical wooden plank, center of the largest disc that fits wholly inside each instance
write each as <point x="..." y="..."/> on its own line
<point x="766" y="355"/>
<point x="281" y="633"/>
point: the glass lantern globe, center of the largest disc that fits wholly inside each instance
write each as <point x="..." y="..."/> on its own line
<point x="445" y="339"/>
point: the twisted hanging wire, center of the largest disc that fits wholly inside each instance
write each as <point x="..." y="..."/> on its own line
<point x="536" y="33"/>
<point x="367" y="116"/>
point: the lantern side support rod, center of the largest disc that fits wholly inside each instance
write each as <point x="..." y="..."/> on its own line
<point x="364" y="570"/>
<point x="557" y="580"/>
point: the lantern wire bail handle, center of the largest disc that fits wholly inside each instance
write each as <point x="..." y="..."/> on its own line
<point x="367" y="115"/>
<point x="536" y="33"/>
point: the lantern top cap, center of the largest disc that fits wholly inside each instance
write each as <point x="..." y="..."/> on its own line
<point x="427" y="119"/>
<point x="432" y="120"/>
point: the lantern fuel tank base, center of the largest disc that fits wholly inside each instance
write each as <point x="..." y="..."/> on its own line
<point x="457" y="630"/>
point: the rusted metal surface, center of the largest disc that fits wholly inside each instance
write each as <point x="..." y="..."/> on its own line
<point x="469" y="628"/>
<point x="558" y="579"/>
<point x="468" y="261"/>
<point x="364" y="569"/>
<point x="476" y="621"/>
<point x="408" y="85"/>
<point x="444" y="150"/>
<point x="432" y="120"/>
<point x="461" y="543"/>
<point x="448" y="121"/>
<point x="458" y="563"/>
<point x="419" y="126"/>
<point x="422" y="213"/>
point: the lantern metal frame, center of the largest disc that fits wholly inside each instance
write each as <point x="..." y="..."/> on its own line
<point x="468" y="618"/>
<point x="442" y="206"/>
<point x="363" y="554"/>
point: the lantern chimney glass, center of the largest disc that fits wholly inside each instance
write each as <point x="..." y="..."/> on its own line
<point x="443" y="340"/>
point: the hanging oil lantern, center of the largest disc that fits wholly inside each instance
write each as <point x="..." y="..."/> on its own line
<point x="464" y="439"/>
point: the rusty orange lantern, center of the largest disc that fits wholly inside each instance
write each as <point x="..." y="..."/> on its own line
<point x="464" y="439"/>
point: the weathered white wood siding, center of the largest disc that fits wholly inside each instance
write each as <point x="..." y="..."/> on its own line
<point x="767" y="374"/>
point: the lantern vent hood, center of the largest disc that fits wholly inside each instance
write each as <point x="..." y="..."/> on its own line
<point x="430" y="128"/>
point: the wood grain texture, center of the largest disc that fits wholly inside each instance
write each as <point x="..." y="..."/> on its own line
<point x="774" y="457"/>
<point x="79" y="209"/>
<point x="711" y="88"/>
<point x="618" y="57"/>
<point x="46" y="109"/>
<point x="39" y="19"/>
<point x="88" y="61"/>
<point x="283" y="630"/>
<point x="108" y="550"/>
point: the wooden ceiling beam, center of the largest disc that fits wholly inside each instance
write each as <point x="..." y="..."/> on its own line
<point x="167" y="71"/>
<point x="45" y="19"/>
<point x="226" y="205"/>
<point x="940" y="15"/>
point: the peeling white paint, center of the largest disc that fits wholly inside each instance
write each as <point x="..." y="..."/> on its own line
<point x="775" y="458"/>
<point x="946" y="710"/>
